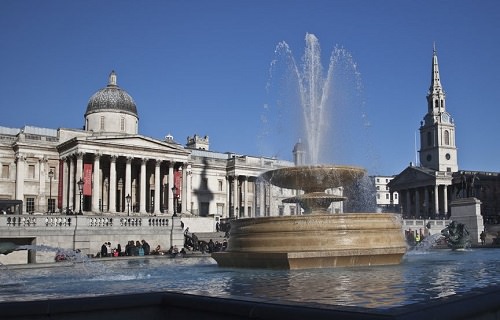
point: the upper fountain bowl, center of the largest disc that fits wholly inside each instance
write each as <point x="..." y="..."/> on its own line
<point x="314" y="178"/>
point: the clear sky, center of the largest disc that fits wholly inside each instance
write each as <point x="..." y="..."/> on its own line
<point x="201" y="67"/>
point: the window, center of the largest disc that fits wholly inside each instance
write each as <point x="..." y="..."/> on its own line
<point x="204" y="209"/>
<point x="281" y="210"/>
<point x="30" y="205"/>
<point x="378" y="196"/>
<point x="378" y="187"/>
<point x="52" y="205"/>
<point x="31" y="172"/>
<point x="5" y="171"/>
<point x="446" y="137"/>
<point x="221" y="184"/>
<point x="292" y="210"/>
<point x="220" y="209"/>
<point x="102" y="123"/>
<point x="395" y="196"/>
<point x="122" y="124"/>
<point x="387" y="196"/>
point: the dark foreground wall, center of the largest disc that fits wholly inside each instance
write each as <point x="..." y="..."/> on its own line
<point x="481" y="304"/>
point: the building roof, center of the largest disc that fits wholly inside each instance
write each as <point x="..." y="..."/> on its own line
<point x="111" y="98"/>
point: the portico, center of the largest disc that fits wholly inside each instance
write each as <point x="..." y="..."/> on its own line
<point x="114" y="167"/>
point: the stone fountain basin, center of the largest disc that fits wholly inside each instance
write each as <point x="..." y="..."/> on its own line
<point x="314" y="241"/>
<point x="314" y="178"/>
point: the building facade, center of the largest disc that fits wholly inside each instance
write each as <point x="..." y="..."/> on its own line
<point x="109" y="168"/>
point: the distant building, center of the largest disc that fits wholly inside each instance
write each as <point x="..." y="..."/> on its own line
<point x="427" y="189"/>
<point x="386" y="200"/>
<point x="123" y="172"/>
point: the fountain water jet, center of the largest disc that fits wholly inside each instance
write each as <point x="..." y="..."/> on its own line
<point x="316" y="239"/>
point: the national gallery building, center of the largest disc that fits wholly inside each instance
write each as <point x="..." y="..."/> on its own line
<point x="109" y="168"/>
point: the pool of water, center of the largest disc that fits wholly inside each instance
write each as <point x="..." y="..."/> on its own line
<point x="420" y="277"/>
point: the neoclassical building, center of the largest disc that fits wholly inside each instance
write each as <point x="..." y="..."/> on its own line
<point x="109" y="168"/>
<point x="427" y="189"/>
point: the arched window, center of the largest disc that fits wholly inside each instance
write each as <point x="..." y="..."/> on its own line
<point x="446" y="137"/>
<point x="436" y="103"/>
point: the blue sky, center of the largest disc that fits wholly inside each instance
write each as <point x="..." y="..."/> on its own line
<point x="202" y="66"/>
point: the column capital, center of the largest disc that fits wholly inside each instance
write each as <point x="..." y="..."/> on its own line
<point x="158" y="162"/>
<point x="79" y="155"/>
<point x="113" y="157"/>
<point x="144" y="160"/>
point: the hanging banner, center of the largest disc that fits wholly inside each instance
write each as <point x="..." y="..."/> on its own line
<point x="60" y="185"/>
<point x="178" y="183"/>
<point x="87" y="179"/>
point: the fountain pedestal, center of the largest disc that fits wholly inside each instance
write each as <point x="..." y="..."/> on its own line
<point x="314" y="241"/>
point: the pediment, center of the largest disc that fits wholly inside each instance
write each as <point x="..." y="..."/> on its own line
<point x="123" y="143"/>
<point x="413" y="177"/>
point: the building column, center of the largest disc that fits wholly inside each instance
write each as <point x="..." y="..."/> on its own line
<point x="445" y="200"/>
<point x="112" y="184"/>
<point x="245" y="193"/>
<point x="142" y="187"/>
<point x="170" y="186"/>
<point x="128" y="185"/>
<point x="96" y="184"/>
<point x="20" y="169"/>
<point x="436" y="200"/>
<point x="156" y="210"/>
<point x="417" y="203"/>
<point x="262" y="199"/>
<point x="189" y="182"/>
<point x="79" y="175"/>
<point x="236" y="204"/>
<point x="43" y="201"/>
<point x="408" y="202"/>
<point x="71" y="184"/>
<point x="227" y="209"/>
<point x="184" y="188"/>
<point x="63" y="179"/>
<point x="426" y="201"/>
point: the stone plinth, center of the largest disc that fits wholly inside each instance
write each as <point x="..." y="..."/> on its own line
<point x="314" y="241"/>
<point x="468" y="212"/>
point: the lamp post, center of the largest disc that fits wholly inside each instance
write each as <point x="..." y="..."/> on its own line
<point x="174" y="192"/>
<point x="80" y="188"/>
<point x="128" y="198"/>
<point x="51" y="175"/>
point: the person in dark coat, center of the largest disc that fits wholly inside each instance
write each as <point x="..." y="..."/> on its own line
<point x="104" y="250"/>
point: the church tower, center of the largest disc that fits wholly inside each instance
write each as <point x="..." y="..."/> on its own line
<point x="437" y="131"/>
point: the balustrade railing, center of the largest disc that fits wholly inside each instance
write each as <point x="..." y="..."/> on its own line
<point x="64" y="221"/>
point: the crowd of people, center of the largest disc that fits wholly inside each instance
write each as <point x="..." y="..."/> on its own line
<point x="132" y="248"/>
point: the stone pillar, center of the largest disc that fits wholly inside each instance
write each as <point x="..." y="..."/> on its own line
<point x="436" y="200"/>
<point x="170" y="186"/>
<point x="226" y="213"/>
<point x="79" y="175"/>
<point x="417" y="203"/>
<point x="236" y="203"/>
<point x="128" y="184"/>
<point x="426" y="201"/>
<point x="445" y="200"/>
<point x="408" y="202"/>
<point x="184" y="188"/>
<point x="245" y="199"/>
<point x="112" y="184"/>
<point x="189" y="183"/>
<point x="262" y="199"/>
<point x="64" y="180"/>
<point x="468" y="212"/>
<point x="20" y="169"/>
<point x="157" y="187"/>
<point x="142" y="187"/>
<point x="96" y="184"/>
<point x="72" y="185"/>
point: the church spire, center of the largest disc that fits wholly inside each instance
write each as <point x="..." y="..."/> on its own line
<point x="436" y="95"/>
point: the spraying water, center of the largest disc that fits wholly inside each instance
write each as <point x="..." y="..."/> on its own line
<point x="315" y="106"/>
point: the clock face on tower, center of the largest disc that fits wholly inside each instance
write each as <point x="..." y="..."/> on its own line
<point x="445" y="117"/>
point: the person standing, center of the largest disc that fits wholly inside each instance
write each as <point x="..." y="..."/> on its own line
<point x="104" y="250"/>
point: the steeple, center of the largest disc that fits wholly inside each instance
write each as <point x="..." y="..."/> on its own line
<point x="436" y="96"/>
<point x="437" y="132"/>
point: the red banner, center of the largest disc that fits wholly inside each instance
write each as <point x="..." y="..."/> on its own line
<point x="60" y="185"/>
<point x="178" y="183"/>
<point x="87" y="179"/>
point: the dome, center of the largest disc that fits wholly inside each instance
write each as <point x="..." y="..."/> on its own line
<point x="111" y="98"/>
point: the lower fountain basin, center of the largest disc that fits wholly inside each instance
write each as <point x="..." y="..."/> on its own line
<point x="314" y="241"/>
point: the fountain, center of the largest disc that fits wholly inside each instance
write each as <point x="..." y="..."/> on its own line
<point x="315" y="239"/>
<point x="456" y="236"/>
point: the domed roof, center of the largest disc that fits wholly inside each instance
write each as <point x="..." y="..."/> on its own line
<point x="112" y="97"/>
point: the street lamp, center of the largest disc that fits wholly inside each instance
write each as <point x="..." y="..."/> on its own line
<point x="51" y="175"/>
<point x="80" y="188"/>
<point x="174" y="192"/>
<point x="128" y="198"/>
